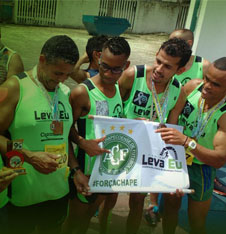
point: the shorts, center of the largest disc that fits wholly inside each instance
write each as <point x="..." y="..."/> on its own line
<point x="201" y="178"/>
<point x="3" y="219"/>
<point x="46" y="215"/>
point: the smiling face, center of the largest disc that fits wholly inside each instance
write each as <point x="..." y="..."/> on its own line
<point x="165" y="67"/>
<point x="111" y="66"/>
<point x="52" y="74"/>
<point x="214" y="86"/>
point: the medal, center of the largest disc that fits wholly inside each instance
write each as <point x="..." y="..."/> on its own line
<point x="160" y="105"/>
<point x="14" y="155"/>
<point x="57" y="127"/>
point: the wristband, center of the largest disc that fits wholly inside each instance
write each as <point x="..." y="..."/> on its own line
<point x="73" y="171"/>
<point x="185" y="141"/>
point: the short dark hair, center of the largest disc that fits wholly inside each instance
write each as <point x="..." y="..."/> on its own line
<point x="60" y="47"/>
<point x="220" y="64"/>
<point x="117" y="46"/>
<point x="95" y="43"/>
<point x="177" y="47"/>
<point x="184" y="33"/>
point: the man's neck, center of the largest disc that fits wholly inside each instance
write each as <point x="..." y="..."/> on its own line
<point x="211" y="103"/>
<point x="189" y="63"/>
<point x="107" y="89"/>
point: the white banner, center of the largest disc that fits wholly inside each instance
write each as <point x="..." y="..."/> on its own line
<point x="139" y="161"/>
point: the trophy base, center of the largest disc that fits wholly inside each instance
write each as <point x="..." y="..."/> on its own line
<point x="20" y="170"/>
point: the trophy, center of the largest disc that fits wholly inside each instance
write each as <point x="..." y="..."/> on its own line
<point x="14" y="156"/>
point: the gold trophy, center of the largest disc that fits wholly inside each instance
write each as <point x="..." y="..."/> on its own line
<point x="14" y="156"/>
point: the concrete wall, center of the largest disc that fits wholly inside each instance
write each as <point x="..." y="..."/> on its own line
<point x="210" y="31"/>
<point x="154" y="16"/>
<point x="69" y="12"/>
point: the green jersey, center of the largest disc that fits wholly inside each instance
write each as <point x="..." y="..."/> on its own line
<point x="99" y="105"/>
<point x="5" y="57"/>
<point x="195" y="71"/>
<point x="32" y="121"/>
<point x="190" y="118"/>
<point x="140" y="101"/>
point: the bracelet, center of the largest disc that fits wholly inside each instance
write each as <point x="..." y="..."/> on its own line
<point x="185" y="141"/>
<point x="73" y="171"/>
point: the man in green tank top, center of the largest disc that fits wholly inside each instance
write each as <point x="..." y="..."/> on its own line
<point x="197" y="66"/>
<point x="37" y="110"/>
<point x="10" y="62"/>
<point x="97" y="96"/>
<point x="204" y="121"/>
<point x="146" y="88"/>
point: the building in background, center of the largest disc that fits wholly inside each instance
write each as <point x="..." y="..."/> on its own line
<point x="145" y="16"/>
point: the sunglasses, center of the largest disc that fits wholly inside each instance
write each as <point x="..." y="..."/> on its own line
<point x="114" y="70"/>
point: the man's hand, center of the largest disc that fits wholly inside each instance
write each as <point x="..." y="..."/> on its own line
<point x="6" y="177"/>
<point x="179" y="193"/>
<point x="92" y="147"/>
<point x="172" y="136"/>
<point x="43" y="162"/>
<point x="81" y="182"/>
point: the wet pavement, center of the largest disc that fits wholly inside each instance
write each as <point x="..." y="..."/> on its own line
<point x="28" y="40"/>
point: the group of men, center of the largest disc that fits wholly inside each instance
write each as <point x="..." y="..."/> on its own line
<point x="37" y="107"/>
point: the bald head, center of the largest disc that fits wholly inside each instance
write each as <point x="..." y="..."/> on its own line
<point x="220" y="64"/>
<point x="184" y="34"/>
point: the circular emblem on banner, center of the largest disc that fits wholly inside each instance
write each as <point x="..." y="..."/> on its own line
<point x="122" y="156"/>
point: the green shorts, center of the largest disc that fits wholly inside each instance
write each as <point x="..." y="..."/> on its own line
<point x="202" y="181"/>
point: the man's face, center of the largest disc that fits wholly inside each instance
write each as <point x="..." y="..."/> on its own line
<point x="111" y="66"/>
<point x="53" y="74"/>
<point x="214" y="88"/>
<point x="165" y="67"/>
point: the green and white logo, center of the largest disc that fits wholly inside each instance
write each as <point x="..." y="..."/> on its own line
<point x="122" y="156"/>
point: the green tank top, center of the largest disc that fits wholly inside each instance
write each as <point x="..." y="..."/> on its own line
<point x="32" y="124"/>
<point x="100" y="105"/>
<point x="139" y="103"/>
<point x="3" y="195"/>
<point x="5" y="56"/>
<point x="189" y="120"/>
<point x="195" y="71"/>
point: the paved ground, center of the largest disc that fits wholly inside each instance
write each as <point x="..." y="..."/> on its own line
<point x="28" y="40"/>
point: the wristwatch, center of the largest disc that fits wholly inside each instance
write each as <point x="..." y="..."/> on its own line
<point x="192" y="145"/>
<point x="73" y="171"/>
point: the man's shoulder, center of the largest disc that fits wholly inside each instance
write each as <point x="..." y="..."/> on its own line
<point x="192" y="85"/>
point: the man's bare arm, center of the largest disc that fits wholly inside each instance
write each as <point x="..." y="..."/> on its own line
<point x="176" y="111"/>
<point x="126" y="82"/>
<point x="214" y="157"/>
<point x="78" y="74"/>
<point x="81" y="105"/>
<point x="15" y="65"/>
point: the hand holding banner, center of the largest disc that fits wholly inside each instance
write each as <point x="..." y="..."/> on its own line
<point x="139" y="161"/>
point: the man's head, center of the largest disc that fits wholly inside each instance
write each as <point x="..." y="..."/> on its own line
<point x="185" y="34"/>
<point x="113" y="60"/>
<point x="58" y="57"/>
<point x="94" y="47"/>
<point x="214" y="87"/>
<point x="170" y="60"/>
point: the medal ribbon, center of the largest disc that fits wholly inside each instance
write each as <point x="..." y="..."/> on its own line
<point x="201" y="125"/>
<point x="53" y="103"/>
<point x="160" y="105"/>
